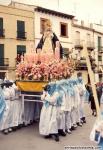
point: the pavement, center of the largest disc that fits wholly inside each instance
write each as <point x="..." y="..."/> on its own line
<point x="28" y="138"/>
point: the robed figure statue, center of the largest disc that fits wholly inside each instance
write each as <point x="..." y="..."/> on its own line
<point x="48" y="40"/>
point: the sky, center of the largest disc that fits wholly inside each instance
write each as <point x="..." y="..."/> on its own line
<point x="89" y="10"/>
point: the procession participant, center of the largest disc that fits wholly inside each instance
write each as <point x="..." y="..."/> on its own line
<point x="16" y="106"/>
<point x="60" y="108"/>
<point x="2" y="101"/>
<point x="82" y="91"/>
<point x="96" y="134"/>
<point x="5" y="120"/>
<point x="99" y="92"/>
<point x="48" y="125"/>
<point x="76" y="103"/>
<point x="101" y="99"/>
<point x="52" y="120"/>
<point x="91" y="99"/>
<point x="68" y="106"/>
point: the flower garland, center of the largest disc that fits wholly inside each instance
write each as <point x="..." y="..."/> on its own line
<point x="43" y="69"/>
<point x="44" y="66"/>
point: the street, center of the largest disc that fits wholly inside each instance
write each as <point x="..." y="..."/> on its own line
<point x="28" y="138"/>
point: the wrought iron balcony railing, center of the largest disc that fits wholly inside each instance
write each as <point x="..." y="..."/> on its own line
<point x="90" y="45"/>
<point x="4" y="62"/>
<point x="78" y="44"/>
<point x="82" y="65"/>
<point x="2" y="33"/>
<point x="21" y="35"/>
<point x="100" y="49"/>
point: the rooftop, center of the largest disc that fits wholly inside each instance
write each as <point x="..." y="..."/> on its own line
<point x="53" y="12"/>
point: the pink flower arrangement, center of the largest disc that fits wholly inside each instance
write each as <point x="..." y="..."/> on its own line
<point x="44" y="66"/>
<point x="42" y="71"/>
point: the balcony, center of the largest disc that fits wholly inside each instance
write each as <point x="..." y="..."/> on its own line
<point x="21" y="35"/>
<point x="94" y="66"/>
<point x="100" y="63"/>
<point x="4" y="63"/>
<point x="92" y="60"/>
<point x="90" y="46"/>
<point x="98" y="70"/>
<point x="2" y="33"/>
<point x="78" y="44"/>
<point x="100" y="49"/>
<point x="81" y="65"/>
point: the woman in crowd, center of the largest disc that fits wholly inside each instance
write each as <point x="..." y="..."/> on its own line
<point x="91" y="98"/>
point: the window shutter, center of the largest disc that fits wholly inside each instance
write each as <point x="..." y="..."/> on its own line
<point x="1" y="23"/>
<point x="65" y="52"/>
<point x="21" y="26"/>
<point x="1" y="54"/>
<point x="21" y="49"/>
<point x="99" y="43"/>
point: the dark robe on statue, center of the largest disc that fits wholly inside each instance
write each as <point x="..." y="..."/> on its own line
<point x="54" y="39"/>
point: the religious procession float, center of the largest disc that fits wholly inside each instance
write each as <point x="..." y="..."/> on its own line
<point x="36" y="69"/>
<point x="44" y="64"/>
<point x="62" y="100"/>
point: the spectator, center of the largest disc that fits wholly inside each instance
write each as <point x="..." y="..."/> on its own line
<point x="18" y="59"/>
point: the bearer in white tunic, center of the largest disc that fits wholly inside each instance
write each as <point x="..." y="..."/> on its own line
<point x="16" y="106"/>
<point x="72" y="97"/>
<point x="2" y="102"/>
<point x="66" y="105"/>
<point x="4" y="124"/>
<point x="82" y="93"/>
<point x="77" y="104"/>
<point x="16" y="109"/>
<point x="51" y="114"/>
<point x="60" y="108"/>
<point x="48" y="119"/>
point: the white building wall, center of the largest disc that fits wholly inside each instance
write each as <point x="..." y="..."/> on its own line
<point x="55" y="20"/>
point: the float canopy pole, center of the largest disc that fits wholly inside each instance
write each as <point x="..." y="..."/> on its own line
<point x="91" y="76"/>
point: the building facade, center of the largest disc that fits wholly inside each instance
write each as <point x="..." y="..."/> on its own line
<point x="61" y="26"/>
<point x="74" y="35"/>
<point x="16" y="37"/>
<point x="90" y="36"/>
<point x="98" y="38"/>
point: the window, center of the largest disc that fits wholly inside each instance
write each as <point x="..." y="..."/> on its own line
<point x="66" y="52"/>
<point x="63" y="29"/>
<point x="21" y="49"/>
<point x="2" y="75"/>
<point x="100" y="77"/>
<point x="1" y="54"/>
<point x="77" y="33"/>
<point x="99" y="43"/>
<point x="42" y="24"/>
<point x="90" y="43"/>
<point x="99" y="58"/>
<point x="1" y="28"/>
<point x="88" y="37"/>
<point x="77" y="38"/>
<point x="21" y="30"/>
